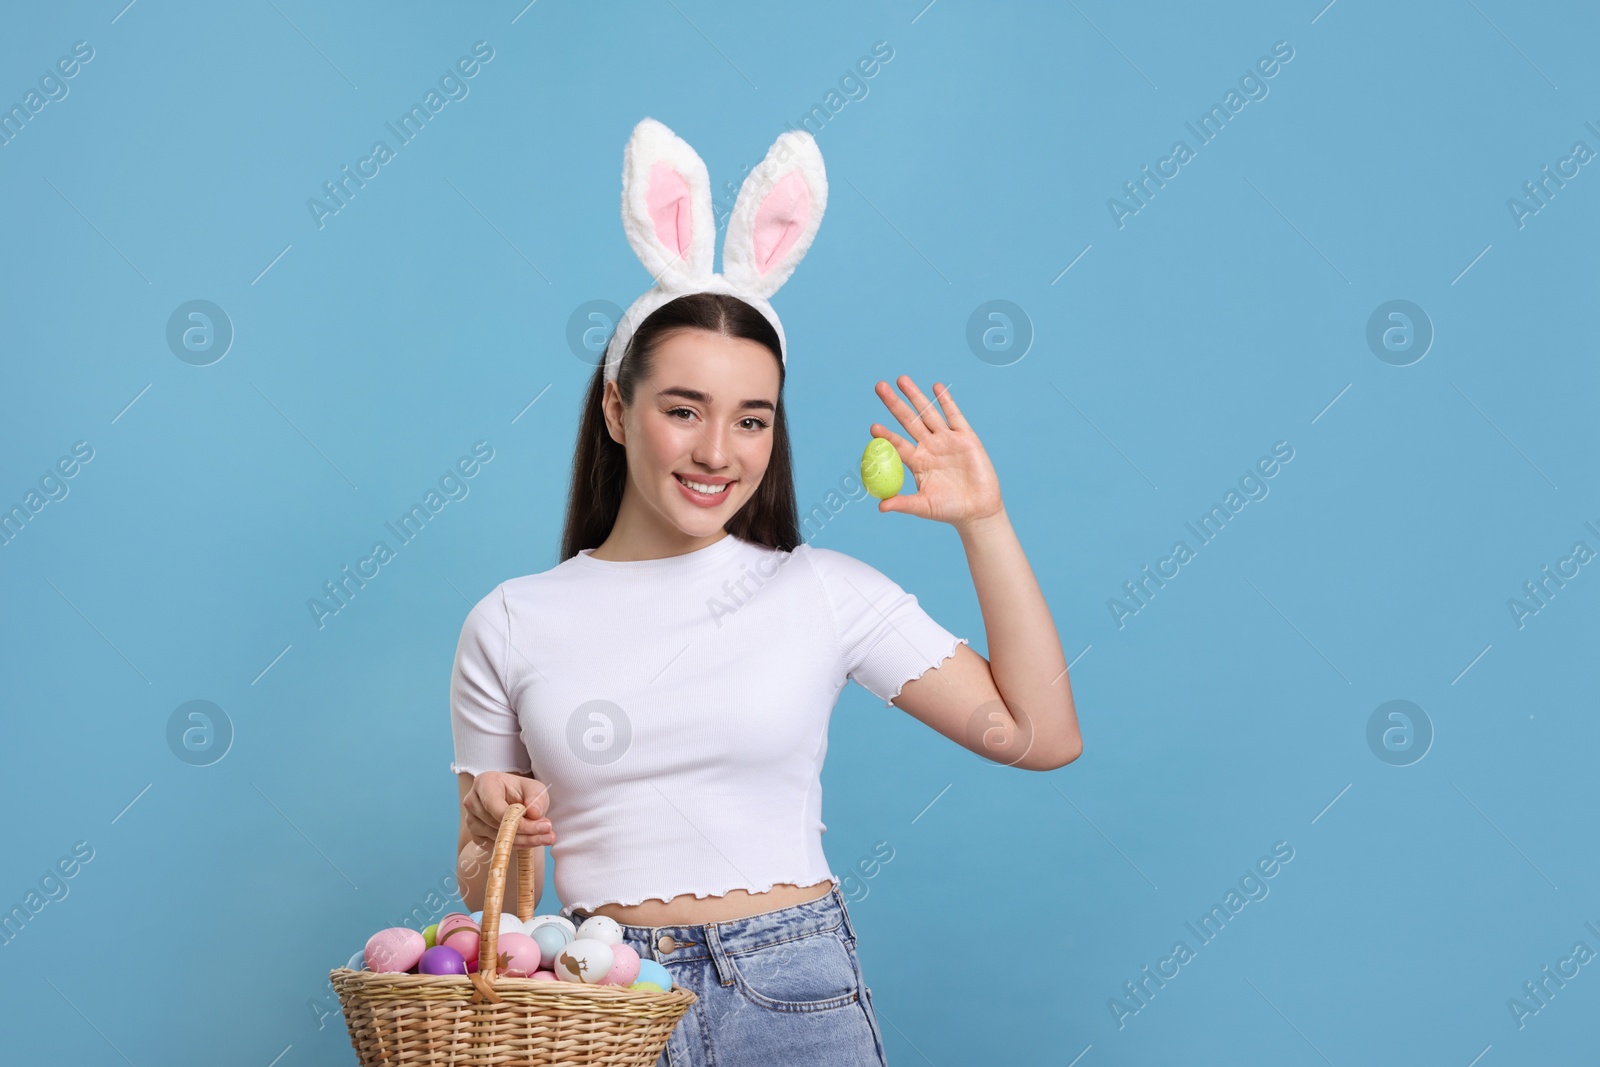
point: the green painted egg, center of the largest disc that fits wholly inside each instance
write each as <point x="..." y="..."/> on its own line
<point x="881" y="470"/>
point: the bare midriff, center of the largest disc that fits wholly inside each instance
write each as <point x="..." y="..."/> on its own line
<point x="689" y="910"/>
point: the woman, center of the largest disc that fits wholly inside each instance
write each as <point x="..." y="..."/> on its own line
<point x="662" y="695"/>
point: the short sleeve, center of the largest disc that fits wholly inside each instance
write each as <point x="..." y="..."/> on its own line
<point x="482" y="723"/>
<point x="885" y="636"/>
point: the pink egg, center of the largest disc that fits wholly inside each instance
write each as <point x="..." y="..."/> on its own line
<point x="464" y="940"/>
<point x="624" y="968"/>
<point x="451" y="923"/>
<point x="395" y="950"/>
<point x="519" y="955"/>
<point x="543" y="976"/>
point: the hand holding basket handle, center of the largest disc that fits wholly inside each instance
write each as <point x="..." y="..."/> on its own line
<point x="486" y="802"/>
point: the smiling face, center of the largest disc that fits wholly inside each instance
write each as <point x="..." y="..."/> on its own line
<point x="705" y="417"/>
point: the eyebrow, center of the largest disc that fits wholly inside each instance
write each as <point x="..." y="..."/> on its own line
<point x="704" y="398"/>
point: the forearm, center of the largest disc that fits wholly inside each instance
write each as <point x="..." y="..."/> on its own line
<point x="1025" y="654"/>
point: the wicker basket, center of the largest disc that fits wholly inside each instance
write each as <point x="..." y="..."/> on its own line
<point x="480" y="1019"/>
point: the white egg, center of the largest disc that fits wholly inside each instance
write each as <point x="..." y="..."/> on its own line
<point x="510" y="924"/>
<point x="601" y="928"/>
<point x="585" y="960"/>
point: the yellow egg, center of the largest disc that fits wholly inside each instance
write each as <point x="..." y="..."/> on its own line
<point x="881" y="470"/>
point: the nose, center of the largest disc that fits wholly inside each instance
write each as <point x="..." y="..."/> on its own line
<point x="709" y="452"/>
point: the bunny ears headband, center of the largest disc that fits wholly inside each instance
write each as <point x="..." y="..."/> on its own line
<point x="666" y="213"/>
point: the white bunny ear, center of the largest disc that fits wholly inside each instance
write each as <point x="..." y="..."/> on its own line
<point x="777" y="213"/>
<point x="666" y="206"/>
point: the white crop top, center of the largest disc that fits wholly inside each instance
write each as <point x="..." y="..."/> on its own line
<point x="677" y="709"/>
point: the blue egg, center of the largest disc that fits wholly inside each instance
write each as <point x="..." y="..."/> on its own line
<point x="477" y="918"/>
<point x="358" y="962"/>
<point x="651" y="971"/>
<point x="551" y="938"/>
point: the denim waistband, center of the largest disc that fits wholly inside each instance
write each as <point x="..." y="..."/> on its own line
<point x="673" y="944"/>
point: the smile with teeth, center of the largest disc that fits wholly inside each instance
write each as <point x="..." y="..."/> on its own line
<point x="701" y="487"/>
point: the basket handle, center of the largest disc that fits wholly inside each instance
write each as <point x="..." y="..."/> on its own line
<point x="493" y="897"/>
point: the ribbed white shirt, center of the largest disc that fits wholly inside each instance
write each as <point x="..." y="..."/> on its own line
<point x="677" y="709"/>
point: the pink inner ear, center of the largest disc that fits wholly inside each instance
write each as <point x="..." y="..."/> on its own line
<point x="668" y="201"/>
<point x="780" y="220"/>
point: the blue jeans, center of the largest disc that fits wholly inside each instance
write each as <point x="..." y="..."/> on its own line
<point x="781" y="987"/>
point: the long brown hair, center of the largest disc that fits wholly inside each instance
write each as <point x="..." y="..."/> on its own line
<point x="600" y="465"/>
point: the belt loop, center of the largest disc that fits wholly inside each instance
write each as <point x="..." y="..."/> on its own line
<point x="844" y="913"/>
<point x="719" y="957"/>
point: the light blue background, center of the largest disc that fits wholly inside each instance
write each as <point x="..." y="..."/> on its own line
<point x="1229" y="314"/>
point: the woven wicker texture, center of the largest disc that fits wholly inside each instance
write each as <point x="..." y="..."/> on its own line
<point x="483" y="1019"/>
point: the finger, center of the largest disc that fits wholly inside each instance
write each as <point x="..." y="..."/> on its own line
<point x="486" y="812"/>
<point x="952" y="413"/>
<point x="925" y="410"/>
<point x="533" y="829"/>
<point x="528" y="830"/>
<point x="491" y="809"/>
<point x="485" y="823"/>
<point x="476" y="821"/>
<point x="907" y="505"/>
<point x="531" y="841"/>
<point x="901" y="411"/>
<point x="526" y="837"/>
<point x="902" y="447"/>
<point x="483" y="831"/>
<point x="533" y="824"/>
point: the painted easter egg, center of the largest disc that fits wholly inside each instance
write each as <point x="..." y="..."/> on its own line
<point x="624" y="966"/>
<point x="551" y="938"/>
<point x="881" y="470"/>
<point x="519" y="956"/>
<point x="543" y="976"/>
<point x="601" y="928"/>
<point x="430" y="934"/>
<point x="647" y="987"/>
<point x="551" y="920"/>
<point x="651" y="971"/>
<point x="394" y="951"/>
<point x="451" y="923"/>
<point x="358" y="962"/>
<point x="465" y="940"/>
<point x="442" y="959"/>
<point x="585" y="960"/>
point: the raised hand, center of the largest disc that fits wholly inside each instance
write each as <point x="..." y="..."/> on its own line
<point x="956" y="483"/>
